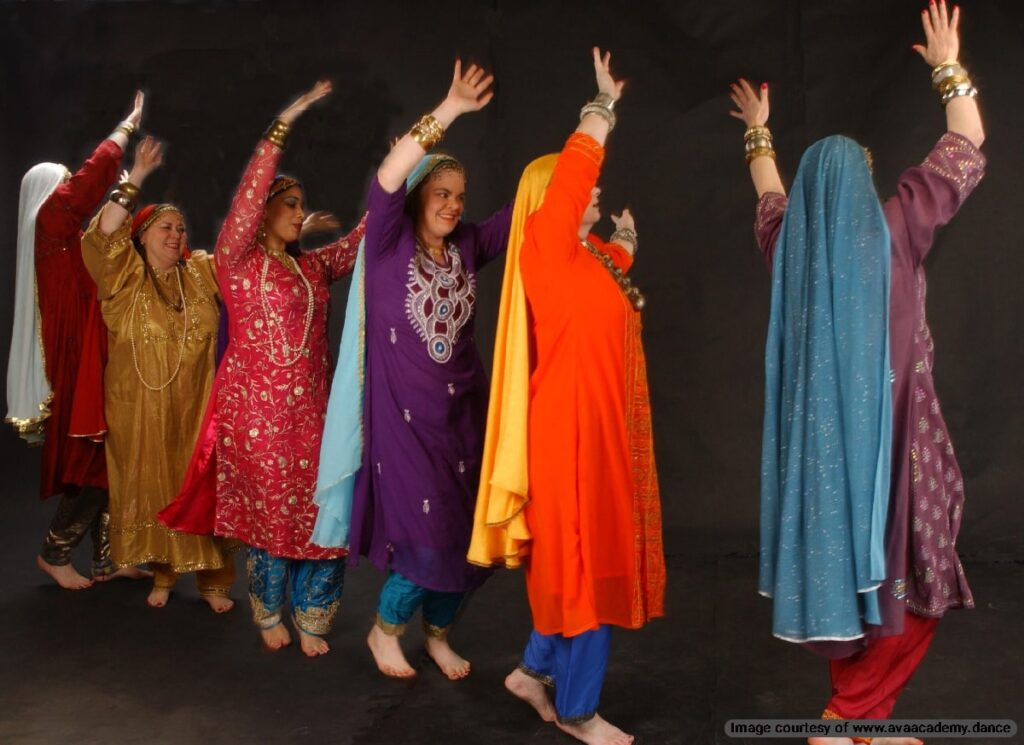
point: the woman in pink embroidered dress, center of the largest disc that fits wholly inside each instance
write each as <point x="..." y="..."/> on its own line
<point x="253" y="472"/>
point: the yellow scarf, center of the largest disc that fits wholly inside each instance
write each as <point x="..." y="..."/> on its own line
<point x="500" y="535"/>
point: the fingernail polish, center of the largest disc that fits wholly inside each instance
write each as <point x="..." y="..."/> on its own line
<point x="764" y="86"/>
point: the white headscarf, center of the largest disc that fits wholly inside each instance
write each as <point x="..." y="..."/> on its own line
<point x="28" y="390"/>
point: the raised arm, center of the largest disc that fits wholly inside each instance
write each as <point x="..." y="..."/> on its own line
<point x="557" y="222"/>
<point x="339" y="257"/>
<point x="753" y="111"/>
<point x="237" y="236"/>
<point x="942" y="51"/>
<point x="149" y="155"/>
<point x="469" y="91"/>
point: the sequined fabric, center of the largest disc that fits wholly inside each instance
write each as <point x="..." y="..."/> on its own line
<point x="269" y="418"/>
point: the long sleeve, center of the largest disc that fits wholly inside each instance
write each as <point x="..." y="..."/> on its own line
<point x="238" y="234"/>
<point x="110" y="259"/>
<point x="384" y="221"/>
<point x="73" y="201"/>
<point x="338" y="258"/>
<point x="928" y="195"/>
<point x="552" y="231"/>
<point x="492" y="235"/>
<point x="768" y="223"/>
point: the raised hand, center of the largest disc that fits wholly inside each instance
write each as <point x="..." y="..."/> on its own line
<point x="149" y="155"/>
<point x="625" y="220"/>
<point x="941" y="33"/>
<point x="753" y="109"/>
<point x="322" y="89"/>
<point x="470" y="90"/>
<point x="135" y="118"/>
<point x="605" y="82"/>
<point x="319" y="222"/>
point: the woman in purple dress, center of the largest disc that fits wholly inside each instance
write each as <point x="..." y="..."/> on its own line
<point x="924" y="576"/>
<point x="426" y="391"/>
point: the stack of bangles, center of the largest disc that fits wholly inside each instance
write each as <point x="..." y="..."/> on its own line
<point x="126" y="128"/>
<point x="604" y="106"/>
<point x="951" y="81"/>
<point x="427" y="132"/>
<point x="125" y="195"/>
<point x="757" y="142"/>
<point x="627" y="235"/>
<point x="277" y="133"/>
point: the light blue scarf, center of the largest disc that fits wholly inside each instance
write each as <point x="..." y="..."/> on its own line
<point x="341" y="449"/>
<point x="827" y="442"/>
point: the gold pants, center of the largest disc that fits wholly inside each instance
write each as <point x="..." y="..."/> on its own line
<point x="211" y="582"/>
<point x="80" y="511"/>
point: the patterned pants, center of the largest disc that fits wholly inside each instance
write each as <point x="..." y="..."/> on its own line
<point x="81" y="510"/>
<point x="399" y="599"/>
<point x="315" y="587"/>
<point x="574" y="665"/>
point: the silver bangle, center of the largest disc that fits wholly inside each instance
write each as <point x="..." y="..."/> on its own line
<point x="947" y="71"/>
<point x="602" y="111"/>
<point x="964" y="89"/>
<point x="606" y="100"/>
<point x="625" y="234"/>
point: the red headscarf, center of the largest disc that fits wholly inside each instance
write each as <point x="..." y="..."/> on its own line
<point x="148" y="215"/>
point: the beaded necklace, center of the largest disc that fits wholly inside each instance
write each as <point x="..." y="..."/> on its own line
<point x="632" y="293"/>
<point x="184" y="331"/>
<point x="275" y="321"/>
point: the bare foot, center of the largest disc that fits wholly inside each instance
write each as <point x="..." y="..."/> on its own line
<point x="532" y="691"/>
<point x="219" y="603"/>
<point x="312" y="646"/>
<point x="276" y="636"/>
<point x="158" y="597"/>
<point x="596" y="731"/>
<point x="451" y="664"/>
<point x="64" y="575"/>
<point x="387" y="653"/>
<point x="124" y="573"/>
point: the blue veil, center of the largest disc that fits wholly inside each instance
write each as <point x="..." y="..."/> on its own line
<point x="341" y="448"/>
<point x="827" y="441"/>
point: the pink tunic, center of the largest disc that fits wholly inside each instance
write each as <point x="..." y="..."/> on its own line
<point x="269" y="417"/>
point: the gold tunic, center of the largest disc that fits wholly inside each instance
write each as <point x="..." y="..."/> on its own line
<point x="152" y="432"/>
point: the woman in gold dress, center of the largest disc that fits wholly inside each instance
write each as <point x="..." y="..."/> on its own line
<point x="160" y="305"/>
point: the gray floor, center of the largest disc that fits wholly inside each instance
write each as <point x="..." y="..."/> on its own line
<point x="99" y="666"/>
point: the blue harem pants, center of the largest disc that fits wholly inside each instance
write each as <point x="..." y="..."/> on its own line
<point x="399" y="599"/>
<point x="314" y="584"/>
<point x="574" y="666"/>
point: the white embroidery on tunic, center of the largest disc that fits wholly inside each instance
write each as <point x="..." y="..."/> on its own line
<point x="439" y="302"/>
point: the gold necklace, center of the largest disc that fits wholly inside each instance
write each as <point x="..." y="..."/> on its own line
<point x="632" y="293"/>
<point x="184" y="333"/>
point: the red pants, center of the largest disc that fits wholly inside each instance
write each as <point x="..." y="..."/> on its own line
<point x="866" y="685"/>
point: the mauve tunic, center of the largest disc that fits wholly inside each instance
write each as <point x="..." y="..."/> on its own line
<point x="425" y="399"/>
<point x="926" y="505"/>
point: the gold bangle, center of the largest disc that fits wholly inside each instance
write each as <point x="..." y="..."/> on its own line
<point x="756" y="131"/>
<point x="759" y="152"/>
<point x="277" y="133"/>
<point x="125" y="127"/>
<point x="952" y="82"/>
<point x="129" y="189"/>
<point x="427" y="132"/>
<point x="119" y="197"/>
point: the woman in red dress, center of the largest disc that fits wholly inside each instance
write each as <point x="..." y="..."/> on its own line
<point x="253" y="473"/>
<point x="67" y="415"/>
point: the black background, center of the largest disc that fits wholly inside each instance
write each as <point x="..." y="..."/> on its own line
<point x="215" y="75"/>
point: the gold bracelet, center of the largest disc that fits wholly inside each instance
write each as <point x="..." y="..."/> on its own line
<point x="756" y="131"/>
<point x="759" y="152"/>
<point x="129" y="189"/>
<point x="427" y="132"/>
<point x="119" y="197"/>
<point x="125" y="127"/>
<point x="277" y="133"/>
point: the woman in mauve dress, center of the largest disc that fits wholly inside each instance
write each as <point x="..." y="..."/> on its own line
<point x="901" y="559"/>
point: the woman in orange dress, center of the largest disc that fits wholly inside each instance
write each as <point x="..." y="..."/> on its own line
<point x="572" y="489"/>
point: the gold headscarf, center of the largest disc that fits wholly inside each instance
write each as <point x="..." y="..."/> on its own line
<point x="500" y="535"/>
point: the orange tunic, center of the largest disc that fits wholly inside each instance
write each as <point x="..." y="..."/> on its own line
<point x="594" y="511"/>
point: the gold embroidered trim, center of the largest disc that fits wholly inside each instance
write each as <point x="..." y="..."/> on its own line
<point x="316" y="621"/>
<point x="435" y="632"/>
<point x="391" y="629"/>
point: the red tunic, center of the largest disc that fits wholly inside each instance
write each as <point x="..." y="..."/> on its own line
<point x="74" y="337"/>
<point x="253" y="472"/>
<point x="594" y="510"/>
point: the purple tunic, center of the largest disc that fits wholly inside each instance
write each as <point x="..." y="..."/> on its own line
<point x="926" y="504"/>
<point x="426" y="398"/>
